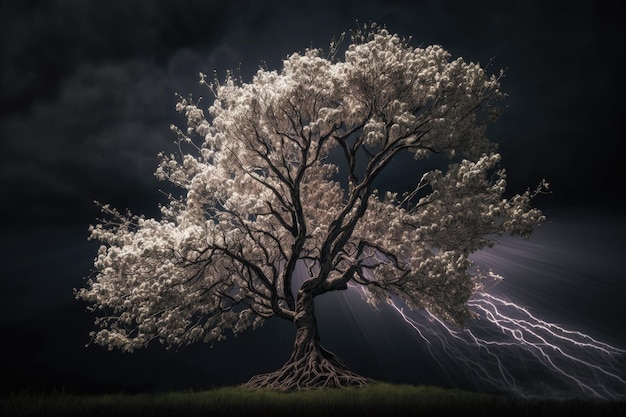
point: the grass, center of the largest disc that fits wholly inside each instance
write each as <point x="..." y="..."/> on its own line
<point x="378" y="399"/>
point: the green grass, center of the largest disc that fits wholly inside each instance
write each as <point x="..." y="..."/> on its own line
<point x="378" y="399"/>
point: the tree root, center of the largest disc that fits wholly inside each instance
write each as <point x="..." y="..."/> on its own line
<point x="318" y="368"/>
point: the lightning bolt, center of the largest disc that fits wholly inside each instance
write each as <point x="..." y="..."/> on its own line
<point x="507" y="348"/>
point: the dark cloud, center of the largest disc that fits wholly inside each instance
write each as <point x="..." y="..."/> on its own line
<point x="45" y="42"/>
<point x="103" y="132"/>
<point x="87" y="96"/>
<point x="98" y="140"/>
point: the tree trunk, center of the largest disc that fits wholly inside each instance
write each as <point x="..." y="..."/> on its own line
<point x="310" y="365"/>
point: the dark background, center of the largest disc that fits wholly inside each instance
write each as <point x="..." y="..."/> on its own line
<point x="87" y="97"/>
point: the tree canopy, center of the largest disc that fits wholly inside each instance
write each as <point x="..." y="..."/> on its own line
<point x="279" y="201"/>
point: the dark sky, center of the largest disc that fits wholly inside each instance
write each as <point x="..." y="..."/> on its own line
<point x="87" y="96"/>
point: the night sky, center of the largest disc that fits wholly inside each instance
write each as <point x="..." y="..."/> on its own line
<point x="88" y="94"/>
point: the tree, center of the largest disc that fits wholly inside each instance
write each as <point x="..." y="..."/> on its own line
<point x="284" y="183"/>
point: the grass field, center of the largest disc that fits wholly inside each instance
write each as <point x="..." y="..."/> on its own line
<point x="379" y="399"/>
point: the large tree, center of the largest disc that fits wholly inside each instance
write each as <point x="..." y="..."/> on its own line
<point x="279" y="204"/>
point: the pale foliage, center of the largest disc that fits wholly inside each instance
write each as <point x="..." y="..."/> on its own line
<point x="284" y="177"/>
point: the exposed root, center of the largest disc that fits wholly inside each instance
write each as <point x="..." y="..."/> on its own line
<point x="318" y="368"/>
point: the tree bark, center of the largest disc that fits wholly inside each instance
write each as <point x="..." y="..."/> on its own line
<point x="310" y="365"/>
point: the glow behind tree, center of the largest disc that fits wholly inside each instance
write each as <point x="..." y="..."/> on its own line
<point x="279" y="173"/>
